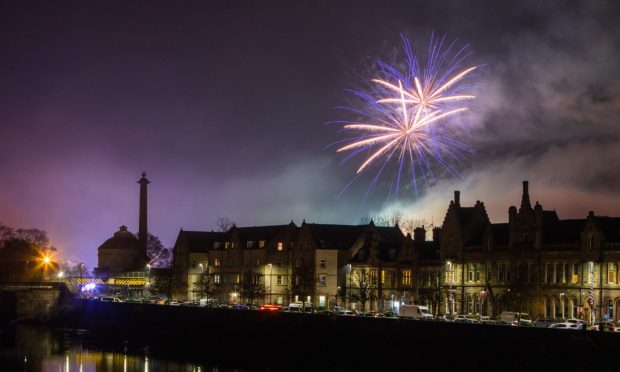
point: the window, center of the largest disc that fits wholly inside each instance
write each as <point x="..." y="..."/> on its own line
<point x="279" y="280"/>
<point x="612" y="268"/>
<point x="488" y="272"/>
<point x="261" y="244"/>
<point x="280" y="246"/>
<point x="217" y="245"/>
<point x="237" y="278"/>
<point x="382" y="276"/>
<point x="501" y="272"/>
<point x="405" y="277"/>
<point x="530" y="271"/>
<point x="548" y="273"/>
<point x="322" y="280"/>
<point x="249" y="244"/>
<point x="257" y="263"/>
<point x="558" y="272"/>
<point x="473" y="274"/>
<point x="216" y="262"/>
<point x="280" y="262"/>
<point x="226" y="245"/>
<point x="591" y="243"/>
<point x="216" y="278"/>
<point x="575" y="273"/>
<point x="323" y="263"/>
<point x="373" y="276"/>
<point x="392" y="279"/>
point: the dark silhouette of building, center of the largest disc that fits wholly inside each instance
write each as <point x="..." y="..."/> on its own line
<point x="124" y="252"/>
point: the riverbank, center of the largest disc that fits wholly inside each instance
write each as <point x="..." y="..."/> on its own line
<point x="297" y="341"/>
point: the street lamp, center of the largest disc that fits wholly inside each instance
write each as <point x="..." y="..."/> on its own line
<point x="349" y="269"/>
<point x="148" y="277"/>
<point x="450" y="300"/>
<point x="270" y="290"/>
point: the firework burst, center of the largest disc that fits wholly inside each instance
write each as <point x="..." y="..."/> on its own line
<point x="406" y="117"/>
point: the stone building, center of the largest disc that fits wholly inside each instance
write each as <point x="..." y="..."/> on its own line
<point x="535" y="263"/>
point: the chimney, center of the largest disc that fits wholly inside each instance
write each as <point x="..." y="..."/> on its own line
<point x="457" y="198"/>
<point x="142" y="225"/>
<point x="419" y="234"/>
<point x="436" y="232"/>
<point x="525" y="199"/>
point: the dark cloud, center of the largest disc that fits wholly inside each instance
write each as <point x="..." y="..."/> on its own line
<point x="223" y="105"/>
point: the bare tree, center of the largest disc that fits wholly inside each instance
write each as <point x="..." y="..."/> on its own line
<point x="205" y="287"/>
<point x="302" y="280"/>
<point x="224" y="224"/>
<point x="158" y="255"/>
<point x="252" y="286"/>
<point x="363" y="287"/>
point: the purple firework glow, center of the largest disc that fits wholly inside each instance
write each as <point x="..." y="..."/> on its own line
<point x="405" y="118"/>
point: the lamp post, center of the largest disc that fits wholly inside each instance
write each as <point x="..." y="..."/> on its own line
<point x="270" y="288"/>
<point x="450" y="300"/>
<point x="483" y="309"/>
<point x="348" y="296"/>
<point x="148" y="276"/>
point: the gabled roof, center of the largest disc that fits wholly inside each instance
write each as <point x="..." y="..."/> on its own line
<point x="500" y="233"/>
<point x="341" y="237"/>
<point x="557" y="231"/>
<point x="201" y="241"/>
<point x="266" y="233"/>
<point x="610" y="227"/>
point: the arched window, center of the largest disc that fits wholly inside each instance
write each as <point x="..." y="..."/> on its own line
<point x="476" y="304"/>
<point x="617" y="309"/>
<point x="547" y="306"/>
<point x="470" y="304"/>
<point x="609" y="308"/>
<point x="557" y="310"/>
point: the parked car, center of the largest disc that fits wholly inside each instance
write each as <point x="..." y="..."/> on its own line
<point x="270" y="308"/>
<point x="543" y="322"/>
<point x="346" y="312"/>
<point x="565" y="325"/>
<point x="444" y="318"/>
<point x="465" y="319"/>
<point x="514" y="318"/>
<point x="240" y="307"/>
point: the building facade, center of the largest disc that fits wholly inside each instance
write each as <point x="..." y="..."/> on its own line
<point x="534" y="263"/>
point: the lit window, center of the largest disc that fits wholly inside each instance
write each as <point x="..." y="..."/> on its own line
<point x="280" y="246"/>
<point x="406" y="277"/>
<point x="261" y="243"/>
<point x="216" y="262"/>
<point x="611" y="272"/>
<point x="237" y="278"/>
<point x="382" y="276"/>
<point x="226" y="245"/>
<point x="279" y="280"/>
<point x="322" y="280"/>
<point x="216" y="278"/>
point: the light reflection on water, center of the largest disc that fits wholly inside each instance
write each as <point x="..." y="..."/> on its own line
<point x="29" y="348"/>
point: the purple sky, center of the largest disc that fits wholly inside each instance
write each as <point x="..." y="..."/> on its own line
<point x="224" y="105"/>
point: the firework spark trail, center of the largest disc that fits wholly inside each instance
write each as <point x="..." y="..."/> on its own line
<point x="408" y="115"/>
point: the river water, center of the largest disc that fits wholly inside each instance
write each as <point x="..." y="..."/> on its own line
<point x="36" y="348"/>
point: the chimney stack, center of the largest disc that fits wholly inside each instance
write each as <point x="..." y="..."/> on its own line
<point x="142" y="223"/>
<point x="419" y="234"/>
<point x="457" y="198"/>
<point x="525" y="199"/>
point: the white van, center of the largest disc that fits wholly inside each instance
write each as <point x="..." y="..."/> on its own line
<point x="513" y="318"/>
<point x="415" y="312"/>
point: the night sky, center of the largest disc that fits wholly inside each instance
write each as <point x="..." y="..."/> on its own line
<point x="224" y="105"/>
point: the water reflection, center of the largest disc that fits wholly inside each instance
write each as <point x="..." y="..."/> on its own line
<point x="29" y="348"/>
